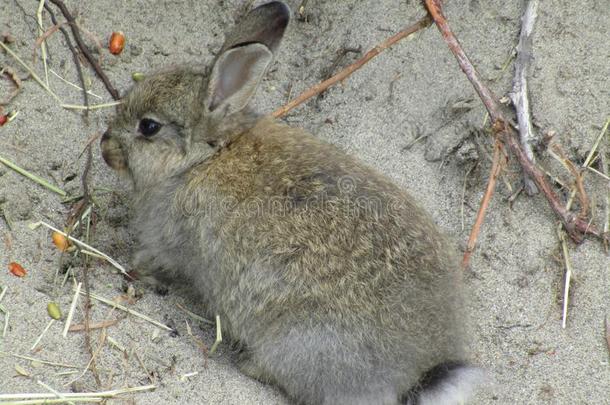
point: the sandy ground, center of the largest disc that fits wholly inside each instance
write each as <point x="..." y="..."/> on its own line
<point x="415" y="90"/>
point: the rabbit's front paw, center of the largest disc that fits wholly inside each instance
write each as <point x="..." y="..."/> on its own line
<point x="250" y="367"/>
<point x="145" y="270"/>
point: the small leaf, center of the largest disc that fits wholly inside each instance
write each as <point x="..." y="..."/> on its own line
<point x="21" y="371"/>
<point x="17" y="269"/>
<point x="53" y="310"/>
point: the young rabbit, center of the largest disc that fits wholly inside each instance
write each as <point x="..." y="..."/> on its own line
<point x="336" y="284"/>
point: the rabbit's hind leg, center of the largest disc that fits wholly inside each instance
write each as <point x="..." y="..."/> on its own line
<point x="323" y="365"/>
<point x="249" y="366"/>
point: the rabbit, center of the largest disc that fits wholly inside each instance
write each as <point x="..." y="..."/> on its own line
<point x="336" y="285"/>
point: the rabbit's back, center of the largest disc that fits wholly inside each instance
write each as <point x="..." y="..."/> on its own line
<point x="296" y="235"/>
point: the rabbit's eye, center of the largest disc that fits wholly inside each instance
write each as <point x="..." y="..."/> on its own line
<point x="148" y="127"/>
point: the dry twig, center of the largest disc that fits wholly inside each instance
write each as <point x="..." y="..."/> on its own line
<point x="43" y="46"/>
<point x="496" y="167"/>
<point x="97" y="325"/>
<point x="83" y="48"/>
<point x="129" y="311"/>
<point x="71" y="311"/>
<point x="519" y="94"/>
<point x="320" y="87"/>
<point x="605" y="167"/>
<point x="79" y="69"/>
<point x="218" y="335"/>
<point x="12" y="75"/>
<point x="76" y="396"/>
<point x="568" y="276"/>
<point x="39" y="338"/>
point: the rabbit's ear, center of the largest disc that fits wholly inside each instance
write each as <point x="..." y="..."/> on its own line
<point x="244" y="58"/>
<point x="264" y="25"/>
<point x="235" y="76"/>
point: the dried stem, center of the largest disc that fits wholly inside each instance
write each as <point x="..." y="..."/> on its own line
<point x="44" y="331"/>
<point x="71" y="311"/>
<point x="43" y="45"/>
<point x="79" y="69"/>
<point x="606" y="170"/>
<point x="519" y="94"/>
<point x="129" y="311"/>
<point x="33" y="177"/>
<point x="12" y="75"/>
<point x="218" y="336"/>
<point x="320" y="87"/>
<point x="77" y="395"/>
<point x="97" y="325"/>
<point x="50" y="363"/>
<point x="496" y="166"/>
<point x="568" y="277"/>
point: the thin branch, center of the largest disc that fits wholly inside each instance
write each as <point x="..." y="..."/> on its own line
<point x="71" y="311"/>
<point x="85" y="203"/>
<point x="342" y="75"/>
<point x="129" y="311"/>
<point x="218" y="335"/>
<point x="489" y="99"/>
<point x="605" y="166"/>
<point x="97" y="325"/>
<point x="50" y="363"/>
<point x="43" y="45"/>
<point x="12" y="75"/>
<point x="32" y="177"/>
<point x="519" y="94"/>
<point x="568" y="277"/>
<point x="496" y="166"/>
<point x="83" y="48"/>
<point x="79" y="395"/>
<point x="79" y="69"/>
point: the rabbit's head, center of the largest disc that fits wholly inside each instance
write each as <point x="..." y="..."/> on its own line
<point x="180" y="116"/>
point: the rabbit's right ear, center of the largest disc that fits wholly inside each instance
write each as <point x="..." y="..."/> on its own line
<point x="244" y="59"/>
<point x="264" y="25"/>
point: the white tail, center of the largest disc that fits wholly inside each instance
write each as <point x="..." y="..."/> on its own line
<point x="453" y="388"/>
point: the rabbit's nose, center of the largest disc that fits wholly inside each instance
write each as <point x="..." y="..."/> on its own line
<point x="112" y="151"/>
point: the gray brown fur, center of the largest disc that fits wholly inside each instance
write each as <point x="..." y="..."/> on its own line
<point x="338" y="286"/>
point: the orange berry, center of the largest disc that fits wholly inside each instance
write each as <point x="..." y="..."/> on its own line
<point x="17" y="269"/>
<point x="117" y="43"/>
<point x="60" y="241"/>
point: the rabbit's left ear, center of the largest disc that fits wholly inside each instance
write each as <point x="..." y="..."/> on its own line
<point x="235" y="77"/>
<point x="244" y="58"/>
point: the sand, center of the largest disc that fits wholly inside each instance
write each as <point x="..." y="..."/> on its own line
<point x="414" y="90"/>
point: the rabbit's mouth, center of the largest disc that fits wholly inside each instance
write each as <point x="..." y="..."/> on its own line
<point x="113" y="153"/>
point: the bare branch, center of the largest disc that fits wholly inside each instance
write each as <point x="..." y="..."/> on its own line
<point x="519" y="94"/>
